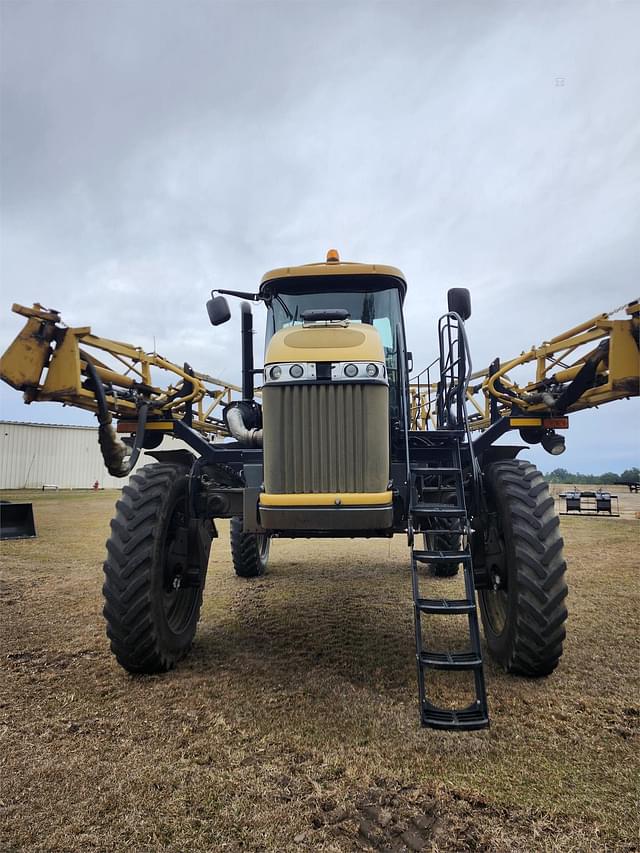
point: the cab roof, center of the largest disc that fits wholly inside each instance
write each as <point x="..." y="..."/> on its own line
<point x="333" y="267"/>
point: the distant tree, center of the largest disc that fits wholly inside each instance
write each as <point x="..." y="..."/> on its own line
<point x="630" y="475"/>
<point x="561" y="475"/>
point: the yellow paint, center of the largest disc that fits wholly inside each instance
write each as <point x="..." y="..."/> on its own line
<point x="25" y="359"/>
<point x="48" y="361"/>
<point x="329" y="268"/>
<point x="328" y="500"/>
<point x="130" y="426"/>
<point x="525" y="422"/>
<point x="63" y="375"/>
<point x="355" y="342"/>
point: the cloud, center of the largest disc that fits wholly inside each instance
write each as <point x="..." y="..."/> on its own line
<point x="149" y="156"/>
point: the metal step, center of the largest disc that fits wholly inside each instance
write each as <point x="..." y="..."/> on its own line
<point x="438" y="488"/>
<point x="441" y="557"/>
<point x="444" y="510"/>
<point x="446" y="606"/>
<point x="462" y="719"/>
<point x="459" y="531"/>
<point x="437" y="470"/>
<point x="447" y="436"/>
<point x="450" y="660"/>
<point x="447" y="519"/>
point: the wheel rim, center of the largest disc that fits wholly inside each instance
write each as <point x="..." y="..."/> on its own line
<point x="495" y="608"/>
<point x="495" y="600"/>
<point x="179" y="602"/>
<point x="178" y="608"/>
<point x="263" y="541"/>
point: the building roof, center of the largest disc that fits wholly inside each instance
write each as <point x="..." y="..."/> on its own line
<point x="56" y="426"/>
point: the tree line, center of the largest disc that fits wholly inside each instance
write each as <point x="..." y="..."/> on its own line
<point x="561" y="475"/>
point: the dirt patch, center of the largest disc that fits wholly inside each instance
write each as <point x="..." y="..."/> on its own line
<point x="293" y="724"/>
<point x="397" y="818"/>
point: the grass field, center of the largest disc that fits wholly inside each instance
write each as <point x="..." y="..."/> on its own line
<point x="293" y="725"/>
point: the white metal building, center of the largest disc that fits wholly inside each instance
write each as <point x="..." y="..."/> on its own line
<point x="33" y="455"/>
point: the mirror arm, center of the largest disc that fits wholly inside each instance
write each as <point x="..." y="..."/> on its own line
<point x="254" y="297"/>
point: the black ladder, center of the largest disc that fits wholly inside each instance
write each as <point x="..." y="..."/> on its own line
<point x="441" y="472"/>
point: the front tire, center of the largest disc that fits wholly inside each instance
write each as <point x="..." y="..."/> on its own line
<point x="443" y="542"/>
<point x="155" y="571"/>
<point x="249" y="551"/>
<point x="524" y="618"/>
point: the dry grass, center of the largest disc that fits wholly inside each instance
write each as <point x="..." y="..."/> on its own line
<point x="293" y="725"/>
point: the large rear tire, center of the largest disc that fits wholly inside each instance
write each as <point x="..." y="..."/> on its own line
<point x="154" y="571"/>
<point x="524" y="617"/>
<point x="249" y="551"/>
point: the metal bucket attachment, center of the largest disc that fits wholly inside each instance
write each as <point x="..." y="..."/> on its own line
<point x="16" y="521"/>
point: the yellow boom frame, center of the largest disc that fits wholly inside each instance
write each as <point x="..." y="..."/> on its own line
<point x="558" y="362"/>
<point x="48" y="361"/>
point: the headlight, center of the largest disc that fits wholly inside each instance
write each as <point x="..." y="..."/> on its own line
<point x="275" y="372"/>
<point x="296" y="371"/>
<point x="372" y="370"/>
<point x="350" y="370"/>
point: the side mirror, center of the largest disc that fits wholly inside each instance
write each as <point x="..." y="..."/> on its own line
<point x="459" y="300"/>
<point x="218" y="310"/>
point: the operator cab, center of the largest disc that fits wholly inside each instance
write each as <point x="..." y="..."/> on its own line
<point x="371" y="294"/>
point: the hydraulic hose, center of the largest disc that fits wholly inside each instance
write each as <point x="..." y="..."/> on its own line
<point x="114" y="450"/>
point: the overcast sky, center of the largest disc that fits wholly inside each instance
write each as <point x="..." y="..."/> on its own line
<point x="154" y="150"/>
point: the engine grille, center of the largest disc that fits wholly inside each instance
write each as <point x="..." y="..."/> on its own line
<point x="326" y="438"/>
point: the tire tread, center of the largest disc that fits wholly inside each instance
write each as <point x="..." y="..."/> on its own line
<point x="245" y="552"/>
<point x="135" y="639"/>
<point x="540" y="613"/>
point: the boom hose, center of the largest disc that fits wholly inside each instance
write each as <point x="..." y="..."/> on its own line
<point x="114" y="450"/>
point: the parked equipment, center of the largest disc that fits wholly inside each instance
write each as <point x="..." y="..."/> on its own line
<point x="338" y="443"/>
<point x="591" y="503"/>
<point x="16" y="521"/>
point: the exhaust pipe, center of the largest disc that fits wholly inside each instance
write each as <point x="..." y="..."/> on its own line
<point x="247" y="351"/>
<point x="235" y="415"/>
<point x="243" y="418"/>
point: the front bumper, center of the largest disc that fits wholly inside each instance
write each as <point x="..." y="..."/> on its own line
<point x="347" y="511"/>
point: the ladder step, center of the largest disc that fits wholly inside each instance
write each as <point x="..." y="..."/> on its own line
<point x="437" y="479"/>
<point x="450" y="606"/>
<point x="444" y="510"/>
<point x="441" y="556"/>
<point x="438" y="470"/>
<point x="462" y="719"/>
<point x="439" y="434"/>
<point x="439" y="488"/>
<point x="458" y="531"/>
<point x="450" y="660"/>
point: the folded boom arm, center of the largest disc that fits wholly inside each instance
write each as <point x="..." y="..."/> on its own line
<point x="51" y="361"/>
<point x="594" y="363"/>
